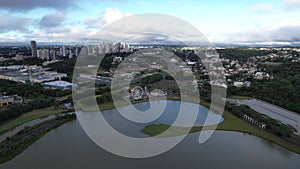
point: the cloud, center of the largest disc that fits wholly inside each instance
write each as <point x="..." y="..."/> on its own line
<point x="11" y="23"/>
<point x="263" y="8"/>
<point x="110" y="15"/>
<point x="54" y="27"/>
<point x="60" y="34"/>
<point x="291" y="4"/>
<point x="52" y="20"/>
<point x="284" y="31"/>
<point x="150" y="28"/>
<point x="26" y="5"/>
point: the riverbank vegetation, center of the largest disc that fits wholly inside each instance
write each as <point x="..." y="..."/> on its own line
<point x="35" y="114"/>
<point x="16" y="144"/>
<point x="17" y="109"/>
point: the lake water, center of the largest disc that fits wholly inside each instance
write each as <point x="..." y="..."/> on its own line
<point x="68" y="147"/>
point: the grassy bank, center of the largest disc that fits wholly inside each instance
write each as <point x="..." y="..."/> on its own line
<point x="39" y="113"/>
<point x="239" y="97"/>
<point x="230" y="123"/>
<point x="13" y="146"/>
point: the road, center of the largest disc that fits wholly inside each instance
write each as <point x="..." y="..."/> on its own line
<point x="281" y="114"/>
<point x="15" y="130"/>
<point x="35" y="131"/>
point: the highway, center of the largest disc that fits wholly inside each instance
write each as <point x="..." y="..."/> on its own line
<point x="276" y="112"/>
<point x="281" y="114"/>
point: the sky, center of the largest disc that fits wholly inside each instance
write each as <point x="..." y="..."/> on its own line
<point x="221" y="21"/>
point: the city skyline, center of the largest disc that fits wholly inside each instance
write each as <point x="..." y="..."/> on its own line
<point x="247" y="22"/>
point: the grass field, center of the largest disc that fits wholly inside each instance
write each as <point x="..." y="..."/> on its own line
<point x="240" y="97"/>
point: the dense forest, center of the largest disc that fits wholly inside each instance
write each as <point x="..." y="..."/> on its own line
<point x="283" y="90"/>
<point x="30" y="91"/>
<point x="15" y="110"/>
<point x="35" y="97"/>
<point x="242" y="54"/>
<point x="65" y="66"/>
<point x="26" y="61"/>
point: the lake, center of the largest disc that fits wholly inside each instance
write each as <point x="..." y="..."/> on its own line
<point x="69" y="147"/>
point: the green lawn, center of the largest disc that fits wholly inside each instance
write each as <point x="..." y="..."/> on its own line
<point x="39" y="113"/>
<point x="240" y="97"/>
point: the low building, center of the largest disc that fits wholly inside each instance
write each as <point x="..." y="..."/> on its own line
<point x="7" y="100"/>
<point x="59" y="85"/>
<point x="261" y="76"/>
<point x="238" y="84"/>
<point x="36" y="74"/>
<point x="254" y="122"/>
<point x="102" y="80"/>
<point x="247" y="83"/>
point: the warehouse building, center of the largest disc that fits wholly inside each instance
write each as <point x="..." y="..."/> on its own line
<point x="59" y="85"/>
<point x="7" y="100"/>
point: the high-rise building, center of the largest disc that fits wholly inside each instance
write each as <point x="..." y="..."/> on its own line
<point x="90" y="50"/>
<point x="33" y="48"/>
<point x="57" y="53"/>
<point x="46" y="54"/>
<point x="39" y="53"/>
<point x="52" y="54"/>
<point x="43" y="54"/>
<point x="77" y="52"/>
<point x="83" y="51"/>
<point x="63" y="51"/>
<point x="70" y="54"/>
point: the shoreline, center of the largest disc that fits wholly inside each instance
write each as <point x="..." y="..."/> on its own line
<point x="15" y="145"/>
<point x="230" y="123"/>
<point x="22" y="120"/>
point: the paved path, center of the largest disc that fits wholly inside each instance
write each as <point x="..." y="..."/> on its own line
<point x="281" y="114"/>
<point x="15" y="130"/>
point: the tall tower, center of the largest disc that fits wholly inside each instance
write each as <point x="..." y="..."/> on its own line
<point x="33" y="48"/>
<point x="64" y="51"/>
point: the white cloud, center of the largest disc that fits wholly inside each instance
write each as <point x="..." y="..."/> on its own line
<point x="263" y="7"/>
<point x="50" y="28"/>
<point x="284" y="31"/>
<point x="73" y="34"/>
<point x="12" y="23"/>
<point x="110" y="15"/>
<point x="291" y="4"/>
<point x="150" y="28"/>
